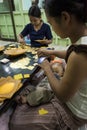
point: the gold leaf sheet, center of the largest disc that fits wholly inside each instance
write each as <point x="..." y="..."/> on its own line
<point x="2" y="48"/>
<point x="15" y="51"/>
<point x="8" y="86"/>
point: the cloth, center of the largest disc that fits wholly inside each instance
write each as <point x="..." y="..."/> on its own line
<point x="52" y="115"/>
<point x="4" y="119"/>
<point x="39" y="96"/>
<point x="43" y="32"/>
<point x="49" y="116"/>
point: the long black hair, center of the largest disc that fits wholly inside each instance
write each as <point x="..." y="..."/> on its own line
<point x="76" y="7"/>
<point x="34" y="11"/>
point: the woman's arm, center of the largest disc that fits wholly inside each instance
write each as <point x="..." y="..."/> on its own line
<point x="44" y="52"/>
<point x="74" y="75"/>
<point x="24" y="33"/>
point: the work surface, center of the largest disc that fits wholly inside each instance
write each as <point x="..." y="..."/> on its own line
<point x="20" y="67"/>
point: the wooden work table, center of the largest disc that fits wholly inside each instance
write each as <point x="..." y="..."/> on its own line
<point x="21" y="72"/>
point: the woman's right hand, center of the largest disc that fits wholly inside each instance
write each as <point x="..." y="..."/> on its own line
<point x="20" y="39"/>
<point x="43" y="52"/>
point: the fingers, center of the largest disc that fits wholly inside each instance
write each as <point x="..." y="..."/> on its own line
<point x="43" y="52"/>
<point x="45" y="64"/>
<point x="40" y="53"/>
<point x="23" y="99"/>
<point x="21" y="40"/>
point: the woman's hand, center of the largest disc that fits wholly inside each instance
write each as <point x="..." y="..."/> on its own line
<point x="20" y="39"/>
<point x="44" y="41"/>
<point x="45" y="65"/>
<point x="43" y="52"/>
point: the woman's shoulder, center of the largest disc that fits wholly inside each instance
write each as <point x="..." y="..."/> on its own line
<point x="28" y="26"/>
<point x="77" y="49"/>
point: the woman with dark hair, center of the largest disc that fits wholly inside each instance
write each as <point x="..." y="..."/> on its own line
<point x="68" y="110"/>
<point x="38" y="31"/>
<point x="68" y="19"/>
<point x="35" y="2"/>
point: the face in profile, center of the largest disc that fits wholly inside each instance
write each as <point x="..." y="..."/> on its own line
<point x="56" y="26"/>
<point x="60" y="25"/>
<point x="35" y="21"/>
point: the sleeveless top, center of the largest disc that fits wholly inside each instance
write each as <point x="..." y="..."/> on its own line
<point x="78" y="103"/>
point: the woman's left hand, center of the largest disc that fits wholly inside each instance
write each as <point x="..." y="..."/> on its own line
<point x="43" y="41"/>
<point x="45" y="65"/>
